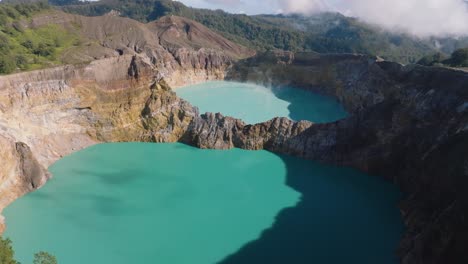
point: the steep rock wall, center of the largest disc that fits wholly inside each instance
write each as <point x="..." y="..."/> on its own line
<point x="408" y="124"/>
<point x="47" y="114"/>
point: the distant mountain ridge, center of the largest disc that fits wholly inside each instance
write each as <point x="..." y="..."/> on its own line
<point x="324" y="33"/>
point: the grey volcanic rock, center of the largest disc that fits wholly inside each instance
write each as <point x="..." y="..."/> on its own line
<point x="30" y="169"/>
<point x="220" y="132"/>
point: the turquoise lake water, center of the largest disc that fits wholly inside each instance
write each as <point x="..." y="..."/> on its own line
<point x="254" y="104"/>
<point x="175" y="204"/>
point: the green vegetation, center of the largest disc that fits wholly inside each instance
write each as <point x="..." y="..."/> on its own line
<point x="433" y="59"/>
<point x="7" y="254"/>
<point x="44" y="258"/>
<point x="459" y="58"/>
<point x="335" y="33"/>
<point x="24" y="46"/>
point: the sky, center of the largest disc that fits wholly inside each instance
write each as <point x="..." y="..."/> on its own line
<point x="422" y="18"/>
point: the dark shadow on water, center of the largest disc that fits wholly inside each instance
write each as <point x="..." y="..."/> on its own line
<point x="116" y="178"/>
<point x="349" y="219"/>
<point x="42" y="196"/>
<point x="111" y="204"/>
<point x="306" y="105"/>
<point x="108" y="206"/>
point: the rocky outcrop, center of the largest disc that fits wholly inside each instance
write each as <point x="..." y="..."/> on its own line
<point x="215" y="131"/>
<point x="20" y="172"/>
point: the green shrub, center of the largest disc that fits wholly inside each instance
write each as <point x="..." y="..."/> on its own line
<point x="4" y="44"/>
<point x="6" y="252"/>
<point x="44" y="49"/>
<point x="7" y="65"/>
<point x="44" y="258"/>
<point x="21" y="62"/>
<point x="459" y="58"/>
<point x="432" y="60"/>
<point x="28" y="44"/>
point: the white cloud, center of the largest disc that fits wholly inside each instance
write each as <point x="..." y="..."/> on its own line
<point x="419" y="17"/>
<point x="225" y="2"/>
<point x="304" y="6"/>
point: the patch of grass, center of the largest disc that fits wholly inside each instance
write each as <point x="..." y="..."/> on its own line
<point x="23" y="47"/>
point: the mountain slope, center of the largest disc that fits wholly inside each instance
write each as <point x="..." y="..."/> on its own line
<point x="91" y="38"/>
<point x="325" y="33"/>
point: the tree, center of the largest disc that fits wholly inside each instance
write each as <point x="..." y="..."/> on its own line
<point x="44" y="50"/>
<point x="29" y="44"/>
<point x="6" y="252"/>
<point x="44" y="258"/>
<point x="3" y="19"/>
<point x="433" y="59"/>
<point x="21" y="62"/>
<point x="4" y="44"/>
<point x="459" y="58"/>
<point x="7" y="64"/>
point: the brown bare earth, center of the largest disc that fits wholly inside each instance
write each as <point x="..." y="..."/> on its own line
<point x="110" y="35"/>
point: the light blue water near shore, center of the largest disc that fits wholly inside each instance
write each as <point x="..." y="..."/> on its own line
<point x="175" y="204"/>
<point x="254" y="103"/>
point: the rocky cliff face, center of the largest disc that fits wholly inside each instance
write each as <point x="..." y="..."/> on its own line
<point x="407" y="123"/>
<point x="47" y="114"/>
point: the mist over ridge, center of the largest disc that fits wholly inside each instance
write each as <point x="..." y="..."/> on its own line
<point x="422" y="18"/>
